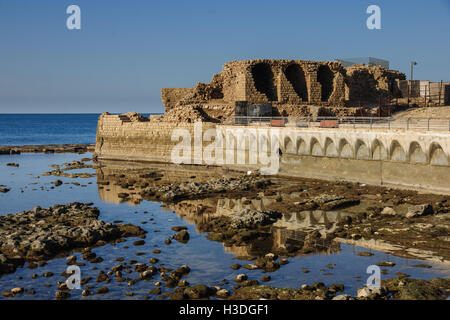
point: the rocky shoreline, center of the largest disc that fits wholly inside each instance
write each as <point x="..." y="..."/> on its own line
<point x="41" y="234"/>
<point x="48" y="148"/>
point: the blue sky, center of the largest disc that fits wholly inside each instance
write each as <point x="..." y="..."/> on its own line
<point x="126" y="51"/>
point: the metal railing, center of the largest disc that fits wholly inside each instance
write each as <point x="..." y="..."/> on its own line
<point x="390" y="123"/>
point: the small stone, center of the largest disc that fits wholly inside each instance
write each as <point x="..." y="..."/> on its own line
<point x="343" y="297"/>
<point x="139" y="243"/>
<point x="223" y="293"/>
<point x="17" y="290"/>
<point x="241" y="277"/>
<point x="60" y="295"/>
<point x="388" y="211"/>
<point x="102" y="290"/>
<point x="385" y="264"/>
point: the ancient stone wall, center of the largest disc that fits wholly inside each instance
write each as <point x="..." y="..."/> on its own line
<point x="367" y="83"/>
<point x="288" y="82"/>
<point x="171" y="96"/>
<point x="418" y="159"/>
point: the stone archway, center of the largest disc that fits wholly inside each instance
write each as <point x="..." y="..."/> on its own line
<point x="264" y="80"/>
<point x="326" y="78"/>
<point x="296" y="76"/>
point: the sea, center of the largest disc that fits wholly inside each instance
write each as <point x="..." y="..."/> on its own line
<point x="41" y="129"/>
<point x="209" y="260"/>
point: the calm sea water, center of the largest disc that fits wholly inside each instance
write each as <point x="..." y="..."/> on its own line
<point x="209" y="261"/>
<point x="38" y="129"/>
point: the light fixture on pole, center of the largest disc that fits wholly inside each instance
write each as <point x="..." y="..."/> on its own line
<point x="413" y="63"/>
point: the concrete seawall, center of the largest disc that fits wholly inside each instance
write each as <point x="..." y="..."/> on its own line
<point x="410" y="159"/>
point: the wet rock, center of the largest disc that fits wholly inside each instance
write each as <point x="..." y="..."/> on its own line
<point x="199" y="291"/>
<point x="101" y="276"/>
<point x="182" y="271"/>
<point x="139" y="243"/>
<point x="44" y="233"/>
<point x="182" y="236"/>
<point x="57" y="183"/>
<point x="223" y="293"/>
<point x="86" y="293"/>
<point x="343" y="297"/>
<point x="7" y="294"/>
<point x="248" y="283"/>
<point x="140" y="267"/>
<point x="235" y="266"/>
<point x="241" y="277"/>
<point x="12" y="165"/>
<point x="365" y="254"/>
<point x="102" y="290"/>
<point x="61" y="295"/>
<point x="265" y="278"/>
<point x="250" y="266"/>
<point x="385" y="264"/>
<point x="367" y="292"/>
<point x="419" y="210"/>
<point x="155" y="291"/>
<point x="179" y="228"/>
<point x="18" y="290"/>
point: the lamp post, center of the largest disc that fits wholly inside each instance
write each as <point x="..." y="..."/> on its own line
<point x="413" y="63"/>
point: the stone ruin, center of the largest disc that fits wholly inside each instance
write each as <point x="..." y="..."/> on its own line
<point x="293" y="87"/>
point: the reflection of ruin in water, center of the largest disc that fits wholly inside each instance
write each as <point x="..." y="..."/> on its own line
<point x="285" y="235"/>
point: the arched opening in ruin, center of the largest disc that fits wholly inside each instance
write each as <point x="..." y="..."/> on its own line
<point x="325" y="77"/>
<point x="302" y="148"/>
<point x="438" y="156"/>
<point x="345" y="151"/>
<point x="295" y="75"/>
<point x="361" y="151"/>
<point x="263" y="78"/>
<point x="330" y="148"/>
<point x="378" y="151"/>
<point x="289" y="146"/>
<point x="397" y="152"/>
<point x="416" y="154"/>
<point x="316" y="149"/>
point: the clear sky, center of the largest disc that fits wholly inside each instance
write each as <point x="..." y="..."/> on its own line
<point x="127" y="50"/>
